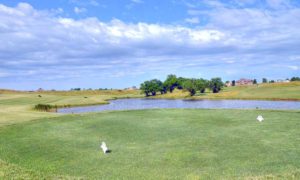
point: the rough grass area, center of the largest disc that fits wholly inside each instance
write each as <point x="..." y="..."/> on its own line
<point x="156" y="144"/>
<point x="16" y="107"/>
<point x="272" y="91"/>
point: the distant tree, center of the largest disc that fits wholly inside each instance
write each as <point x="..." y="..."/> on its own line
<point x="180" y="82"/>
<point x="191" y="86"/>
<point x="233" y="83"/>
<point x="153" y="86"/>
<point x="201" y="85"/>
<point x="295" y="79"/>
<point x="156" y="86"/>
<point x="161" y="88"/>
<point x="216" y="85"/>
<point x="254" y="81"/>
<point x="264" y="80"/>
<point x="171" y="82"/>
<point x="272" y="81"/>
<point x="145" y="88"/>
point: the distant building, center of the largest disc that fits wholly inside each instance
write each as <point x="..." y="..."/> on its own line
<point x="40" y="90"/>
<point x="131" y="88"/>
<point x="228" y="84"/>
<point x="283" y="81"/>
<point x="244" y="81"/>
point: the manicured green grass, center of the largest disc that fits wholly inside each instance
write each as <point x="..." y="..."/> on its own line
<point x="155" y="144"/>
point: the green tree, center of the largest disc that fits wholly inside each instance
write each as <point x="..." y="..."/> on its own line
<point x="145" y="88"/>
<point x="216" y="85"/>
<point x="191" y="86"/>
<point x="264" y="80"/>
<point x="201" y="85"/>
<point x="155" y="86"/>
<point x="171" y="82"/>
<point x="180" y="82"/>
<point x="254" y="81"/>
<point x="233" y="83"/>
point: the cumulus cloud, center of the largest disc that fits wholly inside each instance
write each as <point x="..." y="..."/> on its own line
<point x="36" y="44"/>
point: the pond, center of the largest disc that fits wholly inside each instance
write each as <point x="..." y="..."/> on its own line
<point x="133" y="104"/>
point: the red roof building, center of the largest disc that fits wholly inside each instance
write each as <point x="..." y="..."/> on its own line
<point x="244" y="82"/>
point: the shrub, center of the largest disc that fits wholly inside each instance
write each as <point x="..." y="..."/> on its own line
<point x="44" y="107"/>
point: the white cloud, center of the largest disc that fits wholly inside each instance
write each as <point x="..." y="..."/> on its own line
<point x="43" y="43"/>
<point x="137" y="1"/>
<point x="295" y="68"/>
<point x="278" y="3"/>
<point x="78" y="10"/>
<point x="193" y="20"/>
<point x="84" y="3"/>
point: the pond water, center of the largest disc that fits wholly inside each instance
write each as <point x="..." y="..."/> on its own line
<point x="132" y="104"/>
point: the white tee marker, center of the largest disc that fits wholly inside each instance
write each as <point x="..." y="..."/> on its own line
<point x="260" y="118"/>
<point x="104" y="147"/>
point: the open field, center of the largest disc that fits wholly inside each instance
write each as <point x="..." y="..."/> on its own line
<point x="155" y="144"/>
<point x="272" y="91"/>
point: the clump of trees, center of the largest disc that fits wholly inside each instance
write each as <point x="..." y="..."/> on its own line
<point x="192" y="85"/>
<point x="295" y="79"/>
<point x="152" y="87"/>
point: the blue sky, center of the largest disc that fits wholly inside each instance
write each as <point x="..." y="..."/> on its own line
<point x="64" y="44"/>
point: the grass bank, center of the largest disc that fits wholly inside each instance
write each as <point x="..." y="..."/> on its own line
<point x="155" y="144"/>
<point x="16" y="107"/>
<point x="272" y="91"/>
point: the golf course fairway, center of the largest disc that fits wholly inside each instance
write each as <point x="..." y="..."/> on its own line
<point x="154" y="144"/>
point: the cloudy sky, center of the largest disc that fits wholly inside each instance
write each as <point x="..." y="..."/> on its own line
<point x="119" y="43"/>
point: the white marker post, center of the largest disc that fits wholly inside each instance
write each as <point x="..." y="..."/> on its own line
<point x="260" y="118"/>
<point x="104" y="147"/>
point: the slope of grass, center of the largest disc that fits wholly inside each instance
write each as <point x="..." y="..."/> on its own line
<point x="274" y="91"/>
<point x="156" y="144"/>
<point x="18" y="107"/>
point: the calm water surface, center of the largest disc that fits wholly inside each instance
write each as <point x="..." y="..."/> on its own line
<point x="131" y="104"/>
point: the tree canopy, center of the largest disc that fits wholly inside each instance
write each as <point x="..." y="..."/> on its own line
<point x="192" y="85"/>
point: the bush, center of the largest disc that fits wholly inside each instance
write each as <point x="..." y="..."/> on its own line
<point x="44" y="107"/>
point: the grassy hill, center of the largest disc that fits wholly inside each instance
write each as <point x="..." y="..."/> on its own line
<point x="17" y="106"/>
<point x="272" y="91"/>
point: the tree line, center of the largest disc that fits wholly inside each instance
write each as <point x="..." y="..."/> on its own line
<point x="295" y="79"/>
<point x="192" y="85"/>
